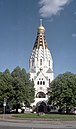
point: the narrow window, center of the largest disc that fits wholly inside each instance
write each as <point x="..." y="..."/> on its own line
<point x="38" y="82"/>
<point x="49" y="81"/>
<point x="40" y="61"/>
<point x="49" y="62"/>
<point x="43" y="82"/>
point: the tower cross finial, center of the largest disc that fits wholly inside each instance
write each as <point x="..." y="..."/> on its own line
<point x="40" y="22"/>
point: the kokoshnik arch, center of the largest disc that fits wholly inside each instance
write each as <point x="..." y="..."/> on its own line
<point x="41" y="67"/>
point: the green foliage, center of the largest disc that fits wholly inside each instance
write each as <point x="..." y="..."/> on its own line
<point x="47" y="116"/>
<point x="31" y="90"/>
<point x="6" y="89"/>
<point x="23" y="87"/>
<point x="63" y="91"/>
<point x="16" y="87"/>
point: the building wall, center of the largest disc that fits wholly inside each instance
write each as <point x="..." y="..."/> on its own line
<point x="41" y="66"/>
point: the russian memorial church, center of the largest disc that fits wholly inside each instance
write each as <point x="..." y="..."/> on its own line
<point x="41" y="67"/>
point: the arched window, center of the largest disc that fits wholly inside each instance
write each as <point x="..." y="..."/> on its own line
<point x="49" y="62"/>
<point x="40" y="95"/>
<point x="43" y="82"/>
<point x="37" y="82"/>
<point x="40" y="61"/>
<point x="40" y="82"/>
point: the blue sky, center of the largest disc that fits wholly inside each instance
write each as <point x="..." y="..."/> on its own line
<point x="19" y="20"/>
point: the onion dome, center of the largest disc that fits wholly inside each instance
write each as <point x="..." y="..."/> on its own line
<point x="41" y="29"/>
<point x="40" y="39"/>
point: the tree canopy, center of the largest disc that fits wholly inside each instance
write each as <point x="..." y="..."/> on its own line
<point x="6" y="89"/>
<point x="16" y="87"/>
<point x="63" y="91"/>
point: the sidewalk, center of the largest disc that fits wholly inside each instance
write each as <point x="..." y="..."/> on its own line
<point x="11" y="118"/>
<point x="54" y="124"/>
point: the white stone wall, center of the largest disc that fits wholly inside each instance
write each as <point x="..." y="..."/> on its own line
<point x="41" y="66"/>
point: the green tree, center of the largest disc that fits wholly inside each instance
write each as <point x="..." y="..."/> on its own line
<point x="23" y="87"/>
<point x="63" y="91"/>
<point x="30" y="90"/>
<point x="6" y="89"/>
<point x="16" y="87"/>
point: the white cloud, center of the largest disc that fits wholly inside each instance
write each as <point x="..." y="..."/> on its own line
<point x="74" y="35"/>
<point x="49" y="8"/>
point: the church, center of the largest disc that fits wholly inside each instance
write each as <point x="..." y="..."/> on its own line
<point x="41" y="68"/>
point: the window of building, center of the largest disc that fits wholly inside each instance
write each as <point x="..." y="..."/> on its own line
<point x="43" y="82"/>
<point x="49" y="62"/>
<point x="40" y="61"/>
<point x="40" y="95"/>
<point x="38" y="83"/>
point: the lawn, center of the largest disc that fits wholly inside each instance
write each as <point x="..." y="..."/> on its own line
<point x="46" y="116"/>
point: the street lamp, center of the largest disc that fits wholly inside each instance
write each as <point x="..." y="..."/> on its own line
<point x="4" y="105"/>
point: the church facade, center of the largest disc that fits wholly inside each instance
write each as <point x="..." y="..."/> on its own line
<point x="41" y="66"/>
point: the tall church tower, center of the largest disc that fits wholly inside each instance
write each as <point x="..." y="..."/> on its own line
<point x="41" y="66"/>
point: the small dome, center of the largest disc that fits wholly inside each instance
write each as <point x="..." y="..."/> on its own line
<point x="41" y="29"/>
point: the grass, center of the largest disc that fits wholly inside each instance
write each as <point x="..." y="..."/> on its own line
<point x="46" y="116"/>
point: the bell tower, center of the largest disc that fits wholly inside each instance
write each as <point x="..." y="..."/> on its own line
<point x="41" y="66"/>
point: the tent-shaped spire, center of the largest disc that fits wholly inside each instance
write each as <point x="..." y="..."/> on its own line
<point x="40" y="39"/>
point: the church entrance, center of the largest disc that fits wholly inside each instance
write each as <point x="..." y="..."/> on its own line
<point x="41" y="107"/>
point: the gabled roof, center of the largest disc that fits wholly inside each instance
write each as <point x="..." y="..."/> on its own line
<point x="42" y="74"/>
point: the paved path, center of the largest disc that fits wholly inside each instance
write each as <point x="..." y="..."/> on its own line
<point x="38" y="125"/>
<point x="7" y="123"/>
